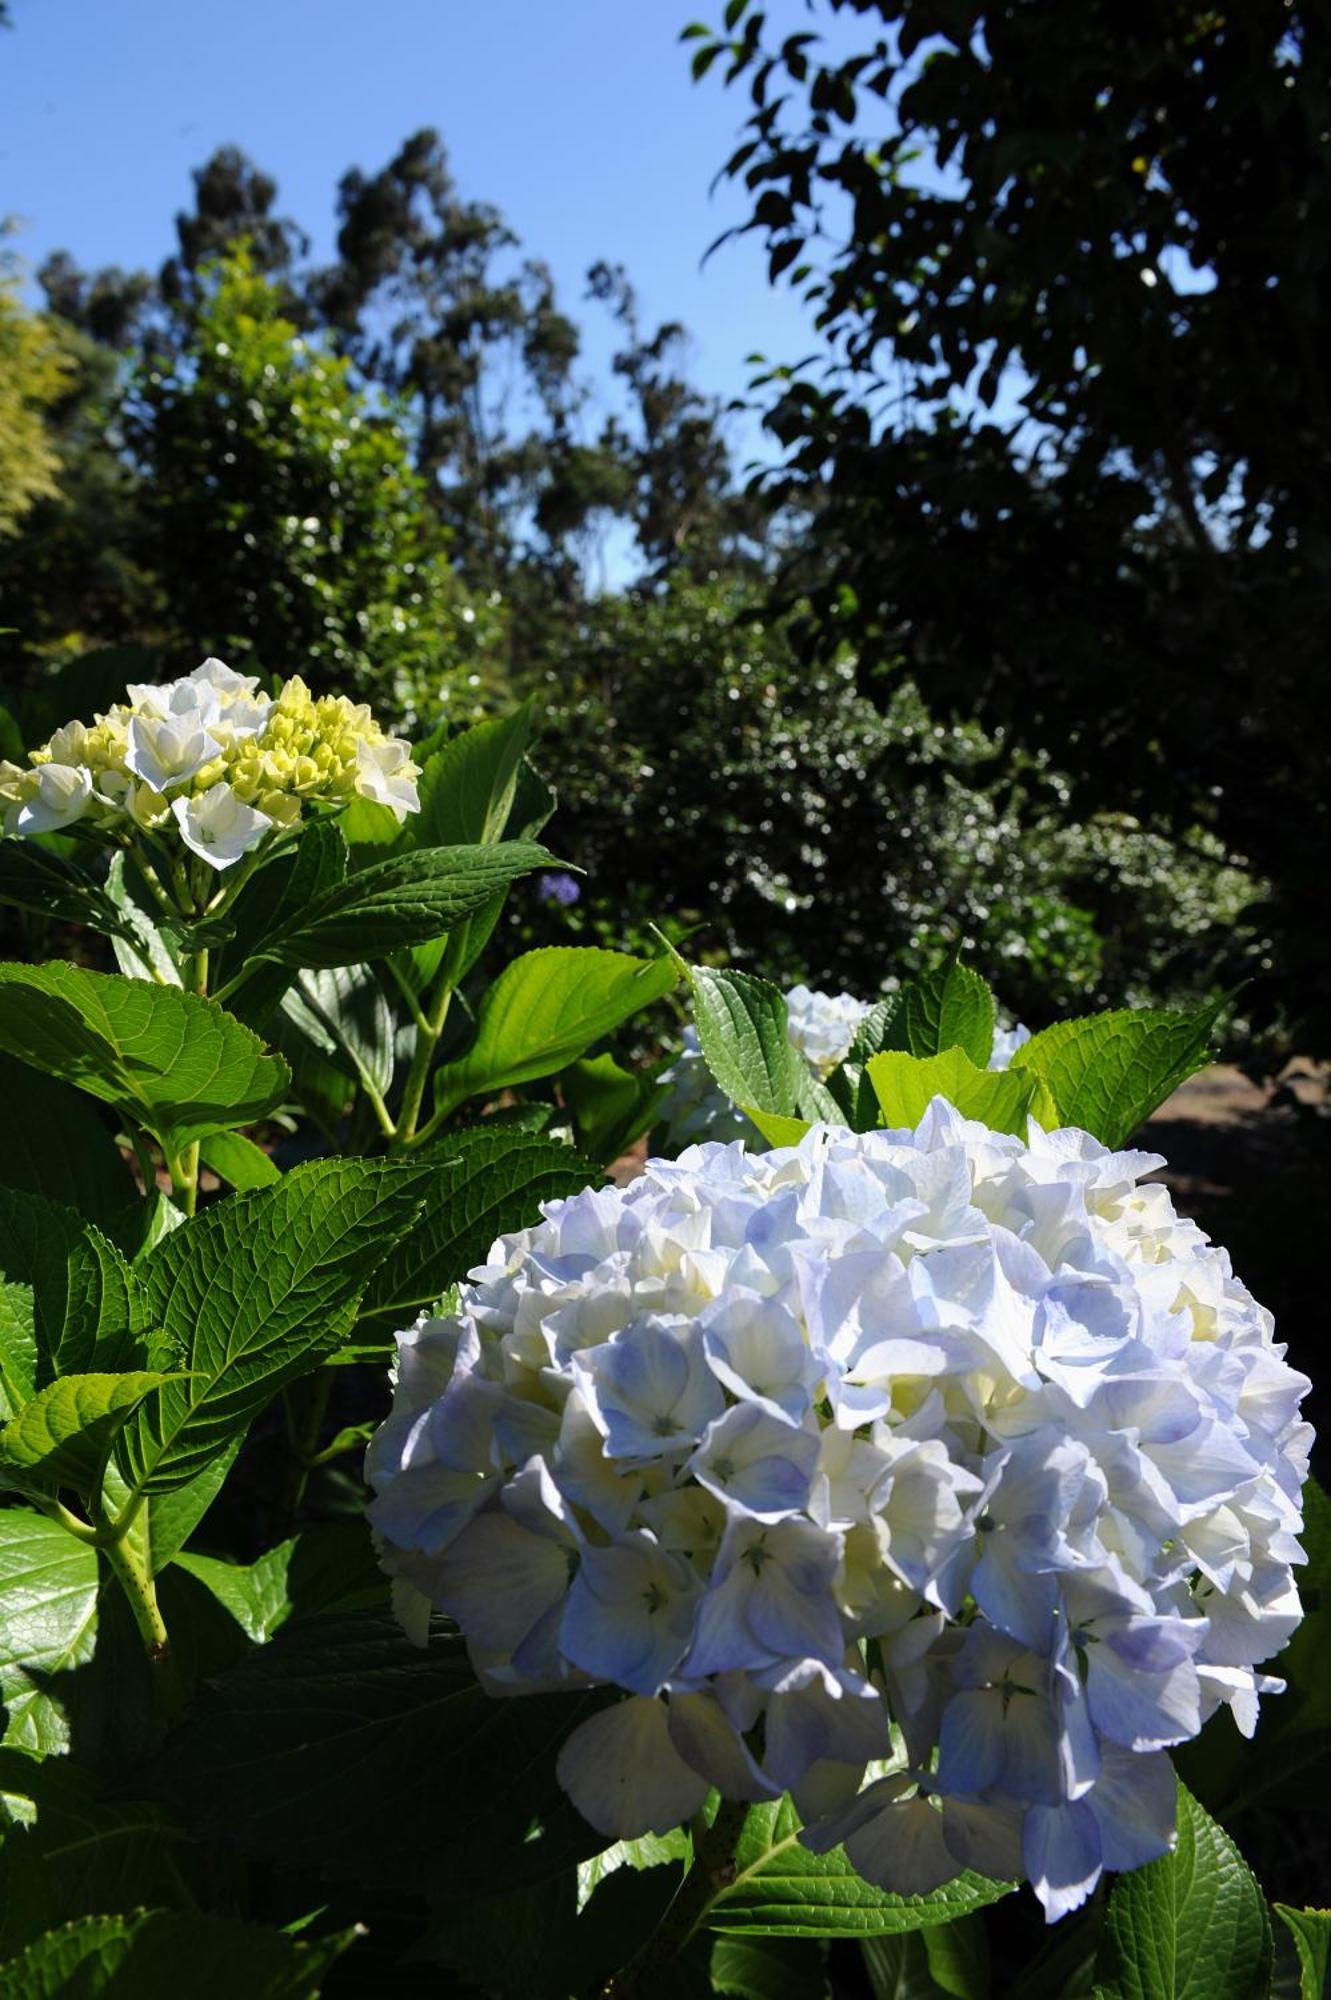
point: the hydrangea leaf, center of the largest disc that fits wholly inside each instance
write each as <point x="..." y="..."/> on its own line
<point x="238" y="1161"/>
<point x="346" y="1007"/>
<point x="33" y="878"/>
<point x="481" y="1184"/>
<point x="161" y="1954"/>
<point x="62" y="1437"/>
<point x="743" y="1033"/>
<point x="951" y="1008"/>
<point x="1309" y="1932"/>
<point x="1108" y="1072"/>
<point x="611" y="1106"/>
<point x="253" y="1294"/>
<point x="57" y="1144"/>
<point x="777" y="1131"/>
<point x="70" y="1301"/>
<point x="272" y="903"/>
<point x="177" y="1065"/>
<point x="544" y="1010"/>
<point x="403" y="900"/>
<point x="766" y="1968"/>
<point x="329" y="1567"/>
<point x="48" y="1586"/>
<point x="780" y="1889"/>
<point x="467" y="786"/>
<point x="906" y="1085"/>
<point x="262" y="1763"/>
<point x="1191" y="1926"/>
<point x="142" y="949"/>
<point x="945" y="1962"/>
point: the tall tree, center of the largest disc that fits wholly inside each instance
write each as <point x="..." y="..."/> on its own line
<point x="282" y="505"/>
<point x="1070" y="458"/>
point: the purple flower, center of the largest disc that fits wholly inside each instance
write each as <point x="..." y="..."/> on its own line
<point x="558" y="887"/>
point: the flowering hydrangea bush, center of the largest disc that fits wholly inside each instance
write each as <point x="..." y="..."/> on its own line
<point x="945" y="1456"/>
<point x="208" y="758"/>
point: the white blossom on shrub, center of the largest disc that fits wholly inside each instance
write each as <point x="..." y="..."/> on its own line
<point x="944" y="1457"/>
<point x="207" y="754"/>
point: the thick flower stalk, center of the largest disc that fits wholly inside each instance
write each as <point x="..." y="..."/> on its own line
<point x="208" y="762"/>
<point x="940" y="1478"/>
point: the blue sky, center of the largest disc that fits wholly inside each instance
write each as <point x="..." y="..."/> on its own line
<point x="580" y="121"/>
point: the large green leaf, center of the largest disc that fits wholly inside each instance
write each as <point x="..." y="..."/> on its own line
<point x="1107" y="1072"/>
<point x="33" y="878"/>
<point x="346" y="1008"/>
<point x="48" y="1623"/>
<point x="162" y="1955"/>
<point x="1191" y="1926"/>
<point x="238" y="1161"/>
<point x="173" y="1517"/>
<point x="782" y="1890"/>
<point x="340" y="1724"/>
<point x="482" y="1183"/>
<point x="328" y="1568"/>
<point x="57" y="1144"/>
<point x="272" y="903"/>
<point x="769" y="1968"/>
<point x="945" y="1962"/>
<point x="545" y="1009"/>
<point x="906" y="1085"/>
<point x="742" y="1031"/>
<point x="467" y="786"/>
<point x="253" y="1294"/>
<point x="62" y="1437"/>
<point x="403" y="900"/>
<point x="142" y="949"/>
<point x="1308" y="1934"/>
<point x="70" y="1301"/>
<point x="610" y="1105"/>
<point x="177" y="1065"/>
<point x="951" y="1008"/>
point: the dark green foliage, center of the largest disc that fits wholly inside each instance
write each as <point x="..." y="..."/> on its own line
<point x="1071" y="465"/>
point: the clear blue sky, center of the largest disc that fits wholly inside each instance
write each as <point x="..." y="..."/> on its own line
<point x="577" y="118"/>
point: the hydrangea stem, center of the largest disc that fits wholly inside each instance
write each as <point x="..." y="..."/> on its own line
<point x="713" y="1870"/>
<point x="427" y="1041"/>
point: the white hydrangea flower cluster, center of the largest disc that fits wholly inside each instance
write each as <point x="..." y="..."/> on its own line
<point x="212" y="757"/>
<point x="940" y="1459"/>
<point x="821" y="1027"/>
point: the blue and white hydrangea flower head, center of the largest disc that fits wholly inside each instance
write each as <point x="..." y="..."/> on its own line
<point x="940" y="1478"/>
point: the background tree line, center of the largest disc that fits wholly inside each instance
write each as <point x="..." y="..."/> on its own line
<point x="1015" y="645"/>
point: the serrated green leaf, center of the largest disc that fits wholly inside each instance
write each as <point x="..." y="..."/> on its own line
<point x="545" y="1009"/>
<point x="467" y="786"/>
<point x="328" y="1568"/>
<point x="238" y="1161"/>
<point x="611" y="1107"/>
<point x="777" y="1131"/>
<point x="262" y="1764"/>
<point x="348" y="1006"/>
<point x="140" y="1225"/>
<point x="782" y="1890"/>
<point x="406" y="899"/>
<point x="743" y="1034"/>
<point x="652" y="1850"/>
<point x="160" y="1955"/>
<point x="58" y="1145"/>
<point x="253" y="1294"/>
<point x="945" y="1962"/>
<point x="62" y="1437"/>
<point x="1108" y="1072"/>
<point x="1191" y="1926"/>
<point x="33" y="878"/>
<point x="172" y="1517"/>
<point x="271" y="903"/>
<point x="1310" y="1933"/>
<point x="480" y="1184"/>
<point x="177" y="1065"/>
<point x="951" y="1008"/>
<point x="142" y="950"/>
<point x="769" y="1968"/>
<point x="70" y="1301"/>
<point x="48" y="1588"/>
<point x="906" y="1086"/>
